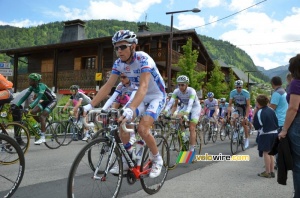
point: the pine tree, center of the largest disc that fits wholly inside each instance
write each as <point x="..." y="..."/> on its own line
<point x="188" y="64"/>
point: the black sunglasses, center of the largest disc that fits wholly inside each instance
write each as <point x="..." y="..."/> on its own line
<point x="238" y="87"/>
<point x="122" y="47"/>
<point x="181" y="85"/>
<point x="123" y="77"/>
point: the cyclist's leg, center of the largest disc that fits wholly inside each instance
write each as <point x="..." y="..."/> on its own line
<point x="152" y="112"/>
<point x="194" y="118"/>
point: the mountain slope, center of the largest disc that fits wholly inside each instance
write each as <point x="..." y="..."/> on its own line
<point x="12" y="37"/>
<point x="281" y="71"/>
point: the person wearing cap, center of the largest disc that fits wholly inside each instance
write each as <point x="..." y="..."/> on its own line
<point x="44" y="102"/>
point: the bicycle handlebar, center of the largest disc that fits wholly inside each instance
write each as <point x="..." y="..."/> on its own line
<point x="125" y="129"/>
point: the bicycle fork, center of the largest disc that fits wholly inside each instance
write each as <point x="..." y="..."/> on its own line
<point x="104" y="149"/>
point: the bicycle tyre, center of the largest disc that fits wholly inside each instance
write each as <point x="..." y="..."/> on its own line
<point x="55" y="135"/>
<point x="206" y="131"/>
<point x="80" y="179"/>
<point x="229" y="131"/>
<point x="12" y="179"/>
<point x="174" y="149"/>
<point x="214" y="136"/>
<point x="153" y="185"/>
<point x="223" y="133"/>
<point x="242" y="142"/>
<point x="199" y="143"/>
<point x="234" y="145"/>
<point x="103" y="150"/>
<point x="71" y="130"/>
<point x="12" y="128"/>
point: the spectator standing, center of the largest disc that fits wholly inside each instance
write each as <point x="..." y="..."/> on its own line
<point x="265" y="121"/>
<point x="291" y="125"/>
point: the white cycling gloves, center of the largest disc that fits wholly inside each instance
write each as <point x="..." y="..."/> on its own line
<point x="128" y="114"/>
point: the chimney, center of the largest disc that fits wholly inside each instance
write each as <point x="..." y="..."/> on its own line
<point x="143" y="28"/>
<point x="73" y="31"/>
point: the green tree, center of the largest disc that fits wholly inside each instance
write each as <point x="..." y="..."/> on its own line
<point x="188" y="64"/>
<point x="231" y="81"/>
<point x="216" y="83"/>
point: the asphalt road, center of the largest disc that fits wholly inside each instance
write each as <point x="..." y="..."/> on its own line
<point x="47" y="170"/>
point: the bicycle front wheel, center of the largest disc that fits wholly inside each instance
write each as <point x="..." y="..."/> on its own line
<point x="223" y="132"/>
<point x="174" y="149"/>
<point x="55" y="135"/>
<point x="11" y="175"/>
<point x="20" y="133"/>
<point x="206" y="130"/>
<point x="84" y="182"/>
<point x="153" y="185"/>
<point x="234" y="142"/>
<point x="199" y="138"/>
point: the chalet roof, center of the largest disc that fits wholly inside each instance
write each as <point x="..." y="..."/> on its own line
<point x="107" y="40"/>
<point x="239" y="73"/>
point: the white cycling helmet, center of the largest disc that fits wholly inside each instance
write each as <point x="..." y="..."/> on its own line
<point x="223" y="100"/>
<point x="183" y="79"/>
<point x="170" y="94"/>
<point x="124" y="35"/>
<point x="238" y="83"/>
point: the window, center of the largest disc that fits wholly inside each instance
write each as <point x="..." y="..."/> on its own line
<point x="89" y="63"/>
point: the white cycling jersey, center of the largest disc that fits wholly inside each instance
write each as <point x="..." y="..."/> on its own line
<point x="156" y="94"/>
<point x="211" y="104"/>
<point x="189" y="103"/>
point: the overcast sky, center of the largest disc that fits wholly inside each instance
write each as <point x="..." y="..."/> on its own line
<point x="268" y="30"/>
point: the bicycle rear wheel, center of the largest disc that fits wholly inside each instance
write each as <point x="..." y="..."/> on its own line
<point x="153" y="185"/>
<point x="55" y="135"/>
<point x="11" y="175"/>
<point x="20" y="133"/>
<point x="71" y="133"/>
<point x="82" y="181"/>
<point x="214" y="136"/>
<point x="234" y="142"/>
<point x="174" y="149"/>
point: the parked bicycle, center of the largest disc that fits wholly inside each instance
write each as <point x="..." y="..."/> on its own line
<point x="105" y="151"/>
<point x="10" y="154"/>
<point x="237" y="136"/>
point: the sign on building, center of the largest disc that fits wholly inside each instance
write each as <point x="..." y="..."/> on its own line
<point x="4" y="65"/>
<point x="6" y="72"/>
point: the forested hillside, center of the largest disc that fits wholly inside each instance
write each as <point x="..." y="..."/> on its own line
<point x="13" y="37"/>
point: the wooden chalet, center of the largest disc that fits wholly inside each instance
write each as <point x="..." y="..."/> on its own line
<point x="76" y="60"/>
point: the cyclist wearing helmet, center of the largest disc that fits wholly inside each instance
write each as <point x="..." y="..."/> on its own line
<point x="141" y="69"/>
<point x="241" y="98"/>
<point x="124" y="88"/>
<point x="211" y="107"/>
<point x="77" y="99"/>
<point x="223" y="107"/>
<point x="45" y="107"/>
<point x="190" y="106"/>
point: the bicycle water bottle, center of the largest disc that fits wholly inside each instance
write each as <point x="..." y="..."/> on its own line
<point x="138" y="152"/>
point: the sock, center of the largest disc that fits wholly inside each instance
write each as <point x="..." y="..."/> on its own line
<point x="43" y="134"/>
<point x="192" y="148"/>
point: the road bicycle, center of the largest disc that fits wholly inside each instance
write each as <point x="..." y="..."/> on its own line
<point x="237" y="136"/>
<point x="178" y="140"/>
<point x="209" y="132"/>
<point x="15" y="130"/>
<point x="103" y="153"/>
<point x="55" y="133"/>
<point x="226" y="129"/>
<point x="11" y="173"/>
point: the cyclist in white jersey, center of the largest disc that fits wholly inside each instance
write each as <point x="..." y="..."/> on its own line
<point x="191" y="106"/>
<point x="241" y="98"/>
<point x="141" y="70"/>
<point x="211" y="108"/>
